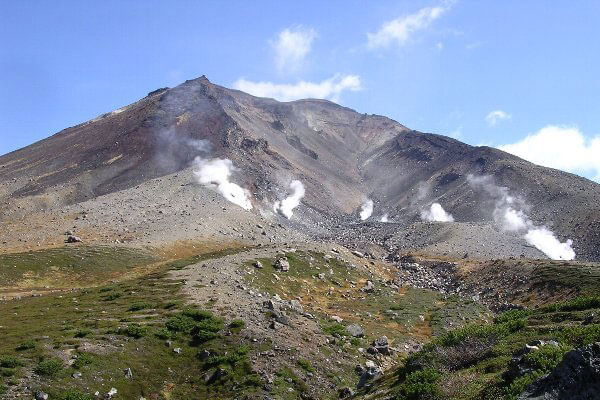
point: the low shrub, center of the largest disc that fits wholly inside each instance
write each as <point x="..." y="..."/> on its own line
<point x="75" y="395"/>
<point x="26" y="345"/>
<point x="10" y="362"/>
<point x="305" y="365"/>
<point x="140" y="305"/>
<point x="82" y="360"/>
<point x="49" y="367"/>
<point x="135" y="331"/>
<point x="237" y="324"/>
<point x="335" y="329"/>
<point x="419" y="385"/>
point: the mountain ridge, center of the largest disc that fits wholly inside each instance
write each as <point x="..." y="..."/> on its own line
<point x="340" y="155"/>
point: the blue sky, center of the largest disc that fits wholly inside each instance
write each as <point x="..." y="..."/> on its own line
<point x="520" y="74"/>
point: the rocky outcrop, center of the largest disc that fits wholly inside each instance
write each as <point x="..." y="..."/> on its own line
<point x="577" y="377"/>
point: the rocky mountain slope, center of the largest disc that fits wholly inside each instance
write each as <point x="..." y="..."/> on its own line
<point x="341" y="156"/>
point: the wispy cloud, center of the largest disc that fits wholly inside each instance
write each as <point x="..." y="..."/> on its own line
<point x="327" y="89"/>
<point x="560" y="147"/>
<point x="399" y="31"/>
<point x="291" y="48"/>
<point x="496" y="116"/>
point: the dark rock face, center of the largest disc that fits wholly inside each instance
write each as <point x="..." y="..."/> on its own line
<point x="577" y="377"/>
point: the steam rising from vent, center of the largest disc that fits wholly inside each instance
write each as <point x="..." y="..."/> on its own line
<point x="436" y="213"/>
<point x="216" y="173"/>
<point x="545" y="240"/>
<point x="510" y="217"/>
<point x="366" y="209"/>
<point x="286" y="206"/>
<point x="384" y="218"/>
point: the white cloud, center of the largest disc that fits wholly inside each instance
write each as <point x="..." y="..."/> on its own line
<point x="291" y="47"/>
<point x="495" y="116"/>
<point x="327" y="89"/>
<point x="560" y="147"/>
<point x="400" y="30"/>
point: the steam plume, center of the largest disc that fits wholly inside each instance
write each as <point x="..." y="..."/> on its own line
<point x="366" y="209"/>
<point x="216" y="173"/>
<point x="436" y="213"/>
<point x="285" y="206"/>
<point x="545" y="240"/>
<point x="510" y="217"/>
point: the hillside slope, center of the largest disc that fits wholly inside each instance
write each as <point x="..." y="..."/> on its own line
<point x="340" y="155"/>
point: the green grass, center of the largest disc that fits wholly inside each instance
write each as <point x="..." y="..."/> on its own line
<point x="478" y="355"/>
<point x="49" y="367"/>
<point x="69" y="266"/>
<point x="305" y="365"/>
<point x="110" y="333"/>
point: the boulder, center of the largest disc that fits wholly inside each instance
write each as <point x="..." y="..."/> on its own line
<point x="296" y="306"/>
<point x="355" y="330"/>
<point x="576" y="377"/>
<point x="41" y="396"/>
<point x="73" y="239"/>
<point x="282" y="264"/>
<point x="369" y="287"/>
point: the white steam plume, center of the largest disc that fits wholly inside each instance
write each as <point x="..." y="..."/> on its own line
<point x="545" y="240"/>
<point x="436" y="213"/>
<point x="286" y="206"/>
<point x="508" y="215"/>
<point x="216" y="173"/>
<point x="384" y="218"/>
<point x="366" y="209"/>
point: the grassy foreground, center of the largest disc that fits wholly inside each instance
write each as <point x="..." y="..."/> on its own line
<point x="136" y="336"/>
<point x="473" y="362"/>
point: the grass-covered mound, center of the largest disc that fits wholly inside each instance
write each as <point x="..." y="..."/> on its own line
<point x="493" y="361"/>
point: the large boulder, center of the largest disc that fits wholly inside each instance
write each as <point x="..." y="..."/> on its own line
<point x="355" y="330"/>
<point x="576" y="377"/>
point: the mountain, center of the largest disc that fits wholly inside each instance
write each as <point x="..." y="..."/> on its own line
<point x="142" y="257"/>
<point x="341" y="156"/>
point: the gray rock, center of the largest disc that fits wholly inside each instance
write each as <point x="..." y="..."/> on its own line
<point x="576" y="377"/>
<point x="296" y="306"/>
<point x="73" y="239"/>
<point x="369" y="287"/>
<point x="372" y="371"/>
<point x="282" y="264"/>
<point x="336" y="318"/>
<point x="382" y="346"/>
<point x="177" y="350"/>
<point x="345" y="392"/>
<point x="128" y="373"/>
<point x="257" y="264"/>
<point x="204" y="355"/>
<point x="355" y="330"/>
<point x="41" y="396"/>
<point x="111" y="393"/>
